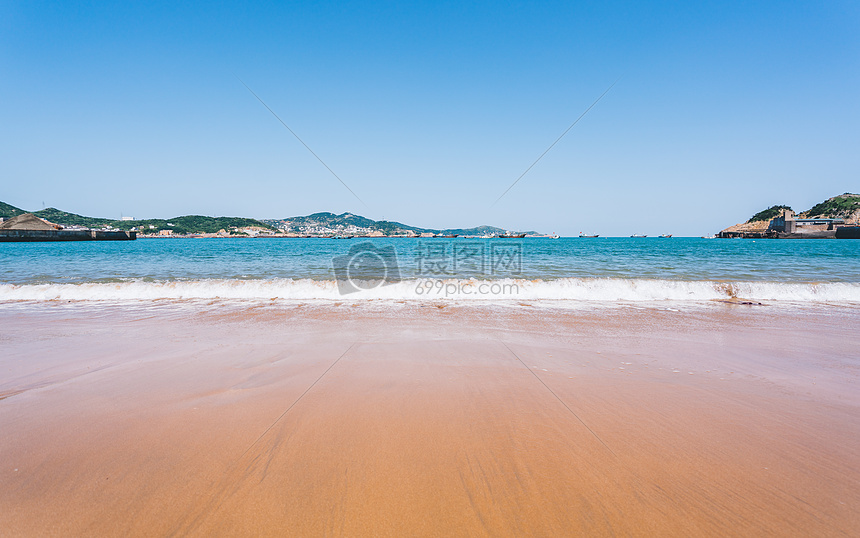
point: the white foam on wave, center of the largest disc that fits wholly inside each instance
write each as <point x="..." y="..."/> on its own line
<point x="454" y="290"/>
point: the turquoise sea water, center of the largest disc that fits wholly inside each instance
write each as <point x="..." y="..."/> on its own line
<point x="41" y="269"/>
<point x="674" y="258"/>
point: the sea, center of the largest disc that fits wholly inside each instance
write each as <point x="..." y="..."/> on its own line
<point x="563" y="271"/>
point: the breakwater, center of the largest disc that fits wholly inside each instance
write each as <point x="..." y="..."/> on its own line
<point x="65" y="235"/>
<point x="848" y="232"/>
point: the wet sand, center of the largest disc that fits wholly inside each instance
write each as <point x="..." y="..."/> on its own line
<point x="225" y="419"/>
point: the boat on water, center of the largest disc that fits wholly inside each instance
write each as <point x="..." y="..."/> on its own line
<point x="510" y="235"/>
<point x="665" y="236"/>
<point x="446" y="236"/>
<point x="588" y="235"/>
<point x="638" y="235"/>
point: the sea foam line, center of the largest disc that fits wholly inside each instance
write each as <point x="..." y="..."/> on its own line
<point x="566" y="289"/>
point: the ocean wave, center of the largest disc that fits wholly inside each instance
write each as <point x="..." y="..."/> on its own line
<point x="455" y="290"/>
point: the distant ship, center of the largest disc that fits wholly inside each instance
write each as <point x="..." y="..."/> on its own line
<point x="638" y="235"/>
<point x="665" y="235"/>
<point x="587" y="235"/>
<point x="509" y="235"/>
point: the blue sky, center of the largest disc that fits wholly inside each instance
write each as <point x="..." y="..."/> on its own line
<point x="430" y="110"/>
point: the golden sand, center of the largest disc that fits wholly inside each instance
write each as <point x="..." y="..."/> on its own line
<point x="345" y="420"/>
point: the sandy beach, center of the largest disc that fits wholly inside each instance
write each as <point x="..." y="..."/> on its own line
<point x="219" y="418"/>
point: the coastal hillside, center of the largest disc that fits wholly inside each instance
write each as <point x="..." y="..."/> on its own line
<point x="188" y="224"/>
<point x="316" y="224"/>
<point x="8" y="211"/>
<point x="67" y="219"/>
<point x="348" y="223"/>
<point x="768" y="214"/>
<point x="195" y="224"/>
<point x="845" y="206"/>
<point x="345" y="222"/>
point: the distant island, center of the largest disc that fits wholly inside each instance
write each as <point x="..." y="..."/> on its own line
<point x="315" y="225"/>
<point x="836" y="217"/>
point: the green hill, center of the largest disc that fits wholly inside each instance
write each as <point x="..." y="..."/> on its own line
<point x="64" y="218"/>
<point x="770" y="213"/>
<point x="333" y="221"/>
<point x="339" y="222"/>
<point x="190" y="224"/>
<point x="843" y="206"/>
<point x="8" y="211"/>
<point x="180" y="225"/>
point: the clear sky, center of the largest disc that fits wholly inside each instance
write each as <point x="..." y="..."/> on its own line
<point x="430" y="110"/>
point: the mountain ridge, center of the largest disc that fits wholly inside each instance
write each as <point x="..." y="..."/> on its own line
<point x="320" y="223"/>
<point x="344" y="220"/>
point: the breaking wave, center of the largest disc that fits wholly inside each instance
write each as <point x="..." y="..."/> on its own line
<point x="455" y="290"/>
